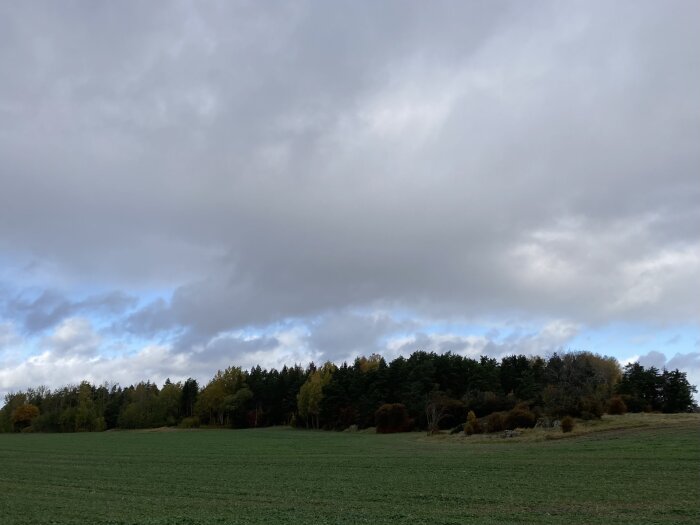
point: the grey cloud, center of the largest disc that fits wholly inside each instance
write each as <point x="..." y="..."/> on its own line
<point x="653" y="358"/>
<point x="225" y="351"/>
<point x="431" y="343"/>
<point x="552" y="337"/>
<point x="149" y="320"/>
<point x="344" y="335"/>
<point x="687" y="361"/>
<point x="274" y="161"/>
<point x="51" y="307"/>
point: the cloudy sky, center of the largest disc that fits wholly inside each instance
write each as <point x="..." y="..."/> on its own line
<point x="190" y="185"/>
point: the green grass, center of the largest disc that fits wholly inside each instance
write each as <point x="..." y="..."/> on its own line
<point x="631" y="475"/>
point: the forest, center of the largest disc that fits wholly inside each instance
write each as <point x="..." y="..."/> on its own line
<point x="426" y="391"/>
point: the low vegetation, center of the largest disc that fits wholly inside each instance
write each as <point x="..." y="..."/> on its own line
<point x="631" y="469"/>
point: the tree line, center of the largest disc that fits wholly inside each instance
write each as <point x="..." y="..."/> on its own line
<point x="424" y="391"/>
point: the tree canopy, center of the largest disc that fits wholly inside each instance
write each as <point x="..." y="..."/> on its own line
<point x="425" y="390"/>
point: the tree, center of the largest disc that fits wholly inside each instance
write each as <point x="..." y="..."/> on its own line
<point x="369" y="364"/>
<point x="677" y="392"/>
<point x="311" y="394"/>
<point x="12" y="401"/>
<point x="641" y="388"/>
<point x="436" y="409"/>
<point x="170" y="400"/>
<point x="142" y="408"/>
<point x="190" y="390"/>
<point x="580" y="384"/>
<point x="23" y="415"/>
<point x="86" y="418"/>
<point x="223" y="399"/>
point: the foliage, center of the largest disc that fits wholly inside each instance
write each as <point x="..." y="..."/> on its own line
<point x="580" y="384"/>
<point x="472" y="426"/>
<point x="190" y="391"/>
<point x="311" y="394"/>
<point x="23" y="415"/>
<point x="648" y="389"/>
<point x="677" y="392"/>
<point x="496" y="422"/>
<point x="143" y="407"/>
<point x="223" y="400"/>
<point x="520" y="417"/>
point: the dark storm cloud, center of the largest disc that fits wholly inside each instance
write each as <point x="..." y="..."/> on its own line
<point x="269" y="161"/>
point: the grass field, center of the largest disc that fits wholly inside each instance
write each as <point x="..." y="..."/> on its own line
<point x="628" y="473"/>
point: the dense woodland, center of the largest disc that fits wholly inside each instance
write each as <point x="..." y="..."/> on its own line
<point x="424" y="391"/>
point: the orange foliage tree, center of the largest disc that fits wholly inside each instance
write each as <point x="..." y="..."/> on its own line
<point x="23" y="415"/>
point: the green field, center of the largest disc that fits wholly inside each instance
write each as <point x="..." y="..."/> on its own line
<point x="635" y="475"/>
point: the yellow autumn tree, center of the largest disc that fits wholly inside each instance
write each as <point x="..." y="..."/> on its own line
<point x="23" y="415"/>
<point x="311" y="393"/>
<point x="224" y="397"/>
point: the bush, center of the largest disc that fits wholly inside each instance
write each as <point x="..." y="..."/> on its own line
<point x="520" y="417"/>
<point x="496" y="422"/>
<point x="190" y="422"/>
<point x="454" y="412"/>
<point x="472" y="426"/>
<point x="567" y="424"/>
<point x="617" y="406"/>
<point x="392" y="417"/>
<point x="591" y="408"/>
<point x="484" y="403"/>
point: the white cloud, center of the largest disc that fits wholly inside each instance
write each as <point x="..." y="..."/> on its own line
<point x="73" y="336"/>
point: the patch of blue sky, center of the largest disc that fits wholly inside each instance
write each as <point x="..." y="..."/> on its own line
<point x="146" y="297"/>
<point x="20" y="351"/>
<point x="627" y="340"/>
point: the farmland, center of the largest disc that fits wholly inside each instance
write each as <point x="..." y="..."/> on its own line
<point x="622" y="474"/>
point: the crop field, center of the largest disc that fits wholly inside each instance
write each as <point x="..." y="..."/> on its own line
<point x="644" y="474"/>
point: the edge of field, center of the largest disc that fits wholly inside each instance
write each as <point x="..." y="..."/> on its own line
<point x="607" y="424"/>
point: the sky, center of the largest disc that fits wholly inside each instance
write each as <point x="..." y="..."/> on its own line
<point x="186" y="186"/>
